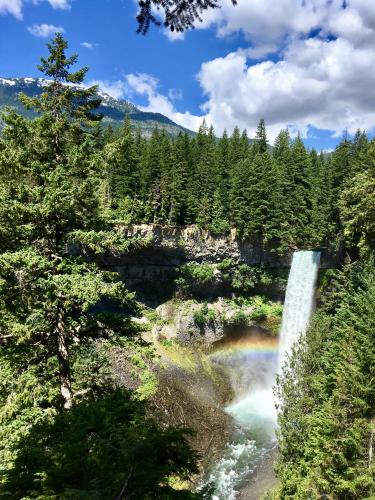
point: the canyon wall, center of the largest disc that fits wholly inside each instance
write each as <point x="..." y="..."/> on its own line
<point x="152" y="268"/>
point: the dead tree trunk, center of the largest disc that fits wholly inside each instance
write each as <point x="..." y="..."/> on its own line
<point x="64" y="361"/>
<point x="371" y="443"/>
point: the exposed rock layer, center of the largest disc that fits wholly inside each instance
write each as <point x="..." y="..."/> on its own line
<point x="151" y="269"/>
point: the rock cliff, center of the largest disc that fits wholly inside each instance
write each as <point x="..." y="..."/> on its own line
<point x="152" y="268"/>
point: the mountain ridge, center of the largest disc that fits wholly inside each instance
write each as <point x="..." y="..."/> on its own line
<point x="113" y="110"/>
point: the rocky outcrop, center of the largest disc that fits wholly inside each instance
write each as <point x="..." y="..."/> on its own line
<point x="151" y="269"/>
<point x="176" y="245"/>
<point x="188" y="392"/>
<point x="191" y="323"/>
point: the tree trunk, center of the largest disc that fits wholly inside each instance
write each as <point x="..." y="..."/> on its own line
<point x="371" y="443"/>
<point x="64" y="362"/>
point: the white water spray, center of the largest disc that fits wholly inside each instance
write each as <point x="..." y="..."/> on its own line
<point x="254" y="409"/>
<point x="299" y="300"/>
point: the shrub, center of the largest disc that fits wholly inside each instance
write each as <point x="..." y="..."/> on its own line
<point x="204" y="315"/>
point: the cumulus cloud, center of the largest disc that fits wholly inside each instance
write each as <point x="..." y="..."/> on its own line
<point x="320" y="74"/>
<point x="326" y="84"/>
<point x="44" y="30"/>
<point x="265" y="21"/>
<point x="145" y="85"/>
<point x="15" y="7"/>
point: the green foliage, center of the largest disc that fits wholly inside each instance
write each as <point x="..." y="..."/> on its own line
<point x="95" y="450"/>
<point x="66" y="187"/>
<point x="101" y="241"/>
<point x="327" y="395"/>
<point x="65" y="430"/>
<point x="226" y="265"/>
<point x="357" y="202"/>
<point x="204" y="315"/>
<point x="245" y="277"/>
<point x="238" y="319"/>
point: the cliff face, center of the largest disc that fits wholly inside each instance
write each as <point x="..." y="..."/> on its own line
<point x="151" y="270"/>
<point x="179" y="245"/>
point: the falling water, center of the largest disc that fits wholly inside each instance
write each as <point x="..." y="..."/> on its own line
<point x="299" y="300"/>
<point x="252" y="365"/>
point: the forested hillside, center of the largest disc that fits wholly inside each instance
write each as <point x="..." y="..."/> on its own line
<point x="285" y="197"/>
<point x="68" y="186"/>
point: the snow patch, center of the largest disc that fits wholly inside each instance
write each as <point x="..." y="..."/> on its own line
<point x="5" y="81"/>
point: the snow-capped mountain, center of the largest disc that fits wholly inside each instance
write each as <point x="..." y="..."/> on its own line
<point x="113" y="110"/>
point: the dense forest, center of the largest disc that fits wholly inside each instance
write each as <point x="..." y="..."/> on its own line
<point x="66" y="182"/>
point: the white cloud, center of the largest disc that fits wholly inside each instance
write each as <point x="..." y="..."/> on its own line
<point x="59" y="4"/>
<point x="15" y="7"/>
<point x="146" y="85"/>
<point x="319" y="76"/>
<point x="11" y="7"/>
<point x="326" y="84"/>
<point x="44" y="30"/>
<point x="88" y="45"/>
<point x="266" y="21"/>
<point x="114" y="89"/>
<point x="173" y="36"/>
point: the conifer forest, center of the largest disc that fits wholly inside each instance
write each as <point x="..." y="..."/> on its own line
<point x="83" y="390"/>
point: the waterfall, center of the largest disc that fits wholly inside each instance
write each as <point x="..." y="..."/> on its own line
<point x="299" y="300"/>
<point x="255" y="361"/>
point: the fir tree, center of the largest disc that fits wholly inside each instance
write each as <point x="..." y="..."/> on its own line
<point x="48" y="175"/>
<point x="122" y="165"/>
<point x="260" y="142"/>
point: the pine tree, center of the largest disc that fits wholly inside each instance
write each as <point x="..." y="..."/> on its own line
<point x="49" y="175"/>
<point x="179" y="15"/>
<point x="207" y="173"/>
<point x="166" y="178"/>
<point x="300" y="192"/>
<point x="224" y="169"/>
<point x="327" y="396"/>
<point x="260" y="142"/>
<point x="180" y="192"/>
<point x="282" y="154"/>
<point x="122" y="165"/>
<point x="235" y="147"/>
<point x="357" y="205"/>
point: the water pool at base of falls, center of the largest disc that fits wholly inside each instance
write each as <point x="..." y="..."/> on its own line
<point x="254" y="439"/>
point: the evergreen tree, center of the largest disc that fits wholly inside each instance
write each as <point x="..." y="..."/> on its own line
<point x="260" y="142"/>
<point x="242" y="177"/>
<point x="122" y="165"/>
<point x="357" y="205"/>
<point x="224" y="169"/>
<point x="207" y="174"/>
<point x="327" y="396"/>
<point x="180" y="192"/>
<point x="300" y="192"/>
<point x="236" y="152"/>
<point x="48" y="175"/>
<point x="179" y="15"/>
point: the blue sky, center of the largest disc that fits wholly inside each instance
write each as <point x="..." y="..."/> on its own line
<point x="305" y="64"/>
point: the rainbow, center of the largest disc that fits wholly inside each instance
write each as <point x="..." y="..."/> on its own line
<point x="249" y="347"/>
